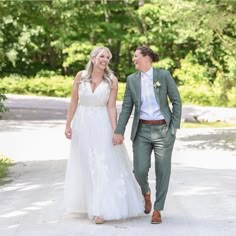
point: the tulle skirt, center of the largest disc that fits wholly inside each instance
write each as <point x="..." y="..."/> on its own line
<point x="99" y="179"/>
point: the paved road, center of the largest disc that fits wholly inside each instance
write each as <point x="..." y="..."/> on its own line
<point x="201" y="199"/>
<point x="46" y="108"/>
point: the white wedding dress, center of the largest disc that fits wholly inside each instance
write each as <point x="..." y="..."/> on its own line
<point x="99" y="179"/>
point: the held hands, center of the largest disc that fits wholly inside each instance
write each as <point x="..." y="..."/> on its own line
<point x="68" y="132"/>
<point x="117" y="139"/>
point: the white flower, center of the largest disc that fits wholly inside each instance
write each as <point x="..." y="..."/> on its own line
<point x="157" y="84"/>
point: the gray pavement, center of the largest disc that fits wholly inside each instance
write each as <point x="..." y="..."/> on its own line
<point x="27" y="107"/>
<point x="201" y="200"/>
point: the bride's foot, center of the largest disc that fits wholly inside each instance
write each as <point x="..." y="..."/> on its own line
<point x="99" y="220"/>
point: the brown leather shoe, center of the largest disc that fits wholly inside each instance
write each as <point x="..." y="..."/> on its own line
<point x="156" y="217"/>
<point x="148" y="203"/>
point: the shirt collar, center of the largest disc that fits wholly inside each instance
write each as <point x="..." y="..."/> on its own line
<point x="148" y="74"/>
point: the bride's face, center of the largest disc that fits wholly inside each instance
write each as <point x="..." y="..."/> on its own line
<point x="102" y="60"/>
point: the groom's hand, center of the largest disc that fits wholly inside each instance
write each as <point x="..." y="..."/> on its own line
<point x="117" y="139"/>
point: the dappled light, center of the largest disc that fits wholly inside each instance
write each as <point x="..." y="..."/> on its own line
<point x="43" y="45"/>
<point x="197" y="191"/>
<point x="209" y="139"/>
<point x="13" y="214"/>
<point x="20" y="187"/>
<point x="29" y="199"/>
<point x="201" y="178"/>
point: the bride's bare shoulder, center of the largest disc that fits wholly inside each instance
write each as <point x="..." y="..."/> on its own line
<point x="79" y="75"/>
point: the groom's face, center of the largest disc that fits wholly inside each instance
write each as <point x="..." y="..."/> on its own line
<point x="139" y="60"/>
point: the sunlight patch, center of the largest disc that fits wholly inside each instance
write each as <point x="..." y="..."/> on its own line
<point x="30" y="187"/>
<point x="13" y="214"/>
<point x="197" y="191"/>
<point x="45" y="203"/>
<point x="13" y="226"/>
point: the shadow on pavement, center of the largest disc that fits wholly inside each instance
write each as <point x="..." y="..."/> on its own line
<point x="27" y="125"/>
<point x="34" y="114"/>
<point x="215" y="139"/>
<point x="35" y="200"/>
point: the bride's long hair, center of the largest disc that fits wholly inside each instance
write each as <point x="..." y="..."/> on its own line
<point x="96" y="52"/>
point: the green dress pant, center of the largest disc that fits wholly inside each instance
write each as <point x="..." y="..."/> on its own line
<point x="157" y="138"/>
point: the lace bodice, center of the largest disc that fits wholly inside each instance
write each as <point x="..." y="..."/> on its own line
<point x="99" y="97"/>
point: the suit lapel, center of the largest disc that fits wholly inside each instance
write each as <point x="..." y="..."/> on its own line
<point x="156" y="90"/>
<point x="138" y="86"/>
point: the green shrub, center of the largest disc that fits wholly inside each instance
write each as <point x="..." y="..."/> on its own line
<point x="198" y="87"/>
<point x="5" y="162"/>
<point x="198" y="93"/>
<point x="207" y="95"/>
<point x="2" y="106"/>
<point x="45" y="73"/>
<point x="232" y="97"/>
<point x="56" y="86"/>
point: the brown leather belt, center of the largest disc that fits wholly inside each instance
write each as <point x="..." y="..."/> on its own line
<point x="152" y="122"/>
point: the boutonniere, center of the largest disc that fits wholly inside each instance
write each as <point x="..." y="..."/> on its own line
<point x="157" y="84"/>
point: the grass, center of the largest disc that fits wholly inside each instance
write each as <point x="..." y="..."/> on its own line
<point x="5" y="162"/>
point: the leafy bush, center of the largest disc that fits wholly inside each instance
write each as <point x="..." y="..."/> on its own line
<point x="5" y="162"/>
<point x="231" y="97"/>
<point x="2" y="107"/>
<point x="46" y="73"/>
<point x="191" y="73"/>
<point x="206" y="95"/>
<point x="57" y="86"/>
<point x="199" y="93"/>
<point x="197" y="86"/>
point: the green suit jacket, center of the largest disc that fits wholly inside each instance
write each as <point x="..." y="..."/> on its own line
<point x="166" y="88"/>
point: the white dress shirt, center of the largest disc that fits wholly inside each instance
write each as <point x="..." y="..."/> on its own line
<point x="150" y="109"/>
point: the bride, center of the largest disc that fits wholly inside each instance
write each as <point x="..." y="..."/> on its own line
<point x="99" y="179"/>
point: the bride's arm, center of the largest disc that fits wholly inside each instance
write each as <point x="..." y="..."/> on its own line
<point x="111" y="105"/>
<point x="72" y="105"/>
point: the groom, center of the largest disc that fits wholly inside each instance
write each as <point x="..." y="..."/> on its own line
<point x="154" y="125"/>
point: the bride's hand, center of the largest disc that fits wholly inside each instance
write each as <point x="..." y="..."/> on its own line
<point x="117" y="139"/>
<point x="68" y="132"/>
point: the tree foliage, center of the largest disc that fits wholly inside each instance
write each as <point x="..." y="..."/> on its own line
<point x="195" y="38"/>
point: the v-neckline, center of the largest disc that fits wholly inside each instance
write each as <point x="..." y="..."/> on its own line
<point x="93" y="91"/>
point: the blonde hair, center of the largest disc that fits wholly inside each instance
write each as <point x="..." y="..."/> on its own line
<point x="96" y="52"/>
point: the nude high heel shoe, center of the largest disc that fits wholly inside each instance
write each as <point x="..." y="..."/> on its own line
<point x="99" y="220"/>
